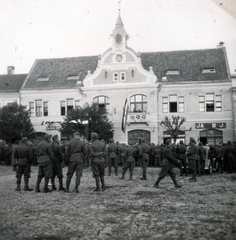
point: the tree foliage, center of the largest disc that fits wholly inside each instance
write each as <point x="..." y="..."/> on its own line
<point x="173" y="125"/>
<point x="97" y="122"/>
<point x="15" y="122"/>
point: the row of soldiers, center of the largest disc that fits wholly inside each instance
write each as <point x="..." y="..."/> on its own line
<point x="50" y="157"/>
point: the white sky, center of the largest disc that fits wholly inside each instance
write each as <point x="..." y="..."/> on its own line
<point x="36" y="29"/>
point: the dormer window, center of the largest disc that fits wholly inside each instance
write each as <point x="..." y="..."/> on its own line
<point x="172" y="72"/>
<point x="115" y="77"/>
<point x="208" y="70"/>
<point x="122" y="76"/>
<point x="42" y="78"/>
<point x="73" y="77"/>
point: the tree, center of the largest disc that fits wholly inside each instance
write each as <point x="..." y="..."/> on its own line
<point x="15" y="122"/>
<point x="86" y="121"/>
<point x="173" y="125"/>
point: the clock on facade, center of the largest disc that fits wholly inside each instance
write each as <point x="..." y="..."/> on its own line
<point x="118" y="57"/>
<point x="118" y="38"/>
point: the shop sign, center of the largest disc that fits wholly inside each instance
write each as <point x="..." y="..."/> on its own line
<point x="53" y="127"/>
<point x="209" y="125"/>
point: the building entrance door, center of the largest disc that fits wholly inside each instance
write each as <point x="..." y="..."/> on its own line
<point x="211" y="137"/>
<point x="135" y="135"/>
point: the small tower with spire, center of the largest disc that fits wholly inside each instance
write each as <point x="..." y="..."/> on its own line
<point x="119" y="41"/>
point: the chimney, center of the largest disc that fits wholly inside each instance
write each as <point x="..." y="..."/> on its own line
<point x="10" y="70"/>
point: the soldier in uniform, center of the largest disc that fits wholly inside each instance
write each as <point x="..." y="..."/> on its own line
<point x="23" y="158"/>
<point x="167" y="165"/>
<point x="192" y="156"/>
<point x="113" y="152"/>
<point x="202" y="154"/>
<point x="57" y="161"/>
<point x="230" y="157"/>
<point x="143" y="153"/>
<point x="129" y="161"/>
<point x="76" y="154"/>
<point x="45" y="160"/>
<point x="98" y="153"/>
<point x="181" y="155"/>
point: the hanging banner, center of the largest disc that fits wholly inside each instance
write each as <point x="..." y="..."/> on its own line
<point x="124" y="117"/>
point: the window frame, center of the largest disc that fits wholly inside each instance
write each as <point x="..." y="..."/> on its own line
<point x="217" y="102"/>
<point x="179" y="102"/>
<point x="105" y="104"/>
<point x="135" y="101"/>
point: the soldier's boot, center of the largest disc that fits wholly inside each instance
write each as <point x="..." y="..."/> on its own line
<point x="116" y="171"/>
<point x="18" y="181"/>
<point x="181" y="171"/>
<point x="61" y="188"/>
<point x="144" y="175"/>
<point x="130" y="175"/>
<point x="77" y="183"/>
<point x="97" y="189"/>
<point x="109" y="171"/>
<point x="103" y="183"/>
<point x="186" y="172"/>
<point x="26" y="188"/>
<point x="46" y="189"/>
<point x="67" y="185"/>
<point x="123" y="175"/>
<point x="39" y="179"/>
<point x="175" y="182"/>
<point x="156" y="185"/>
<point x="53" y="184"/>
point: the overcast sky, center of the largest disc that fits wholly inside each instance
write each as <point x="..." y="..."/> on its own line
<point x="36" y="29"/>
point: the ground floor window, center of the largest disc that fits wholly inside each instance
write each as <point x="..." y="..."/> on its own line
<point x="135" y="135"/>
<point x="167" y="135"/>
<point x="211" y="137"/>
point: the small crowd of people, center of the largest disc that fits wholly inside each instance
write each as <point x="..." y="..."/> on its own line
<point x="50" y="157"/>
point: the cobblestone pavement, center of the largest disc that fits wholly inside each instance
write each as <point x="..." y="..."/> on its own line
<point x="126" y="210"/>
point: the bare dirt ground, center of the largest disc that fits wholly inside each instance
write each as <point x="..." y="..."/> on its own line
<point x="135" y="210"/>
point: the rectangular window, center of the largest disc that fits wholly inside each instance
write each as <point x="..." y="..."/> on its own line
<point x="63" y="108"/>
<point x="164" y="104"/>
<point x="115" y="77"/>
<point x="31" y="109"/>
<point x="210" y="102"/>
<point x="70" y="105"/>
<point x="208" y="70"/>
<point x="173" y="103"/>
<point x="181" y="104"/>
<point x="218" y="103"/>
<point x="123" y="76"/>
<point x="38" y="104"/>
<point x="45" y="108"/>
<point x="77" y="104"/>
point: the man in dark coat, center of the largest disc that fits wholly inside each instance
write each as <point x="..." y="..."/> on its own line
<point x="181" y="155"/>
<point x="76" y="154"/>
<point x="167" y="165"/>
<point x="143" y="153"/>
<point x="23" y="158"/>
<point x="57" y="163"/>
<point x="45" y="159"/>
<point x="202" y="154"/>
<point x="113" y="152"/>
<point x="129" y="161"/>
<point x="230" y="157"/>
<point x="219" y="158"/>
<point x="98" y="153"/>
<point x="192" y="156"/>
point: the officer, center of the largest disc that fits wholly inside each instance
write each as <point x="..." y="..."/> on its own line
<point x="129" y="161"/>
<point x="192" y="156"/>
<point x="143" y="153"/>
<point x="167" y="165"/>
<point x="45" y="160"/>
<point x="23" y="158"/>
<point x="113" y="152"/>
<point x="57" y="161"/>
<point x="76" y="154"/>
<point x="98" y="153"/>
<point x="181" y="155"/>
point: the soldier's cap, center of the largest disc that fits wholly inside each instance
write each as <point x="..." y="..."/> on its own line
<point x="76" y="134"/>
<point x="94" y="136"/>
<point x="168" y="141"/>
<point x="55" y="137"/>
<point x="47" y="136"/>
<point x="181" y="142"/>
<point x="24" y="140"/>
<point x="192" y="140"/>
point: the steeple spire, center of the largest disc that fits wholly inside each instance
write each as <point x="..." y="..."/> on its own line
<point x="119" y="22"/>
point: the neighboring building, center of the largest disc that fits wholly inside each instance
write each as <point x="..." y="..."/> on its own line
<point x="138" y="89"/>
<point x="10" y="85"/>
<point x="233" y="77"/>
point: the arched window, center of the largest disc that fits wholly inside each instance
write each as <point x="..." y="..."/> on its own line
<point x="138" y="103"/>
<point x="102" y="102"/>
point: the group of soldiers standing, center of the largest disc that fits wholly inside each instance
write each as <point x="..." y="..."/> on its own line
<point x="50" y="155"/>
